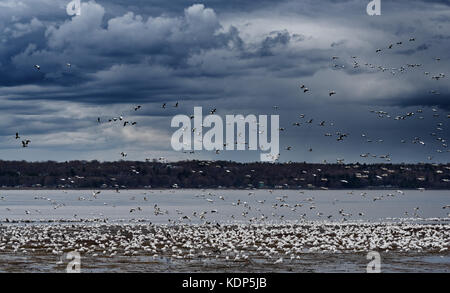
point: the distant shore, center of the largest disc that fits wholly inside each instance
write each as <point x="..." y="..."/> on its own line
<point x="87" y="175"/>
<point x="216" y="188"/>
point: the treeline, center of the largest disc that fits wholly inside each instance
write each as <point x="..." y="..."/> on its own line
<point x="220" y="174"/>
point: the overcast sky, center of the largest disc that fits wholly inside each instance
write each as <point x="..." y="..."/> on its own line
<point x="239" y="56"/>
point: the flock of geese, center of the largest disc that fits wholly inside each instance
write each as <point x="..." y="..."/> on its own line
<point x="229" y="245"/>
<point x="437" y="133"/>
<point x="218" y="207"/>
<point x="261" y="236"/>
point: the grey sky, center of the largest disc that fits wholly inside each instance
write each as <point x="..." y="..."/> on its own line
<point x="241" y="57"/>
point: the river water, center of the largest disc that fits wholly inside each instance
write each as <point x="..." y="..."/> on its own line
<point x="39" y="227"/>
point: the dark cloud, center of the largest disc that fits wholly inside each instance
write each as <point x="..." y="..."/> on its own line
<point x="273" y="40"/>
<point x="244" y="56"/>
<point x="424" y="100"/>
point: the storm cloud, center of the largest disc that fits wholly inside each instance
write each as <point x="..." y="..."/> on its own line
<point x="241" y="57"/>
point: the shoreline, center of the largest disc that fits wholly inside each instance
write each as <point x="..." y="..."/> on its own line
<point x="216" y="188"/>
